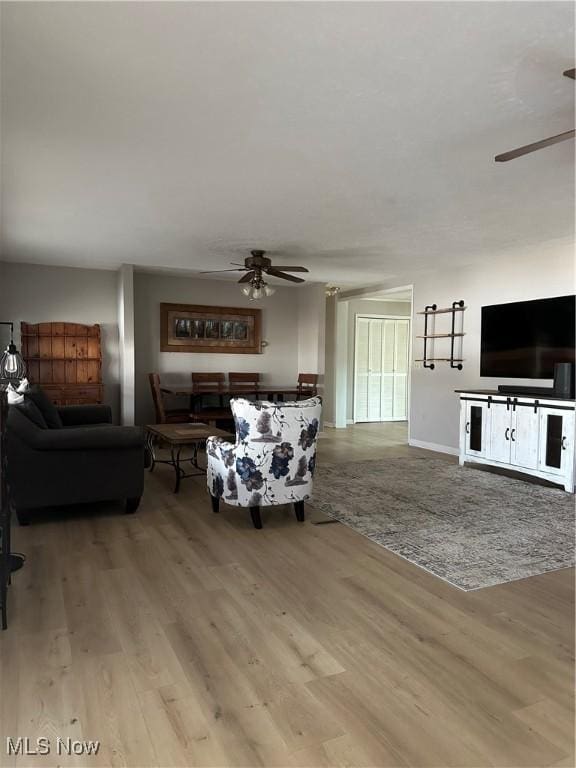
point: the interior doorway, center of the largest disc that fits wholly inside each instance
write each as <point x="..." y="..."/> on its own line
<point x="381" y="363"/>
<point x="378" y="357"/>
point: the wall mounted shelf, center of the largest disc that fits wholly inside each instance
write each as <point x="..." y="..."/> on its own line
<point x="444" y="310"/>
<point x="432" y="310"/>
<point x="440" y="335"/>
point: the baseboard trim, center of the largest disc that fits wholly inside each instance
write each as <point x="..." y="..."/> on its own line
<point x="329" y="424"/>
<point x="434" y="447"/>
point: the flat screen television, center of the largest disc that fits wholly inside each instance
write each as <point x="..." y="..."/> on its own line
<point x="524" y="339"/>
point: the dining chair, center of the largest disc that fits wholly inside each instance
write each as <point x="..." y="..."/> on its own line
<point x="165" y="415"/>
<point x="271" y="462"/>
<point x="244" y="384"/>
<point x="307" y="385"/>
<point x="208" y="384"/>
<point x="244" y="379"/>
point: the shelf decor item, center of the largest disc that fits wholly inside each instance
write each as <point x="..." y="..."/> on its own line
<point x="195" y="328"/>
<point x="431" y="310"/>
<point x="12" y="366"/>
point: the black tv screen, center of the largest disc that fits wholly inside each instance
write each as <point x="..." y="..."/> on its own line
<point x="523" y="340"/>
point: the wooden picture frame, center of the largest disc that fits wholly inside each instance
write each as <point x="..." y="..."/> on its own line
<point x="198" y="328"/>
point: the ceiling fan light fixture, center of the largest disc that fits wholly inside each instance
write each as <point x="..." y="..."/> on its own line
<point x="269" y="290"/>
<point x="256" y="293"/>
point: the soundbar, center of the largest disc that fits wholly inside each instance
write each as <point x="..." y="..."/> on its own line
<point x="563" y="385"/>
<point x="511" y="389"/>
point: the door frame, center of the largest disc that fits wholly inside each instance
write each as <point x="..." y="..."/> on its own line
<point x="370" y="316"/>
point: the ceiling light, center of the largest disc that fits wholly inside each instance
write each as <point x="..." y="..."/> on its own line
<point x="257" y="289"/>
<point x="12" y="365"/>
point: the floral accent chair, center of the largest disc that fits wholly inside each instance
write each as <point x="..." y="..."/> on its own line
<point x="273" y="458"/>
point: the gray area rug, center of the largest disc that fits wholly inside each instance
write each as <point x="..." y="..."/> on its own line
<point x="471" y="528"/>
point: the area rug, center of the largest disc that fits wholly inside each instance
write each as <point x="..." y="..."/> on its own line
<point x="472" y="528"/>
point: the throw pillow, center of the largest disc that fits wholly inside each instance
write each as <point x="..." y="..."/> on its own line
<point x="32" y="411"/>
<point x="14" y="397"/>
<point x="16" y="394"/>
<point x="45" y="406"/>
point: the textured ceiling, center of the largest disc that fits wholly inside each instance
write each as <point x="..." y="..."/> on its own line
<point x="357" y="139"/>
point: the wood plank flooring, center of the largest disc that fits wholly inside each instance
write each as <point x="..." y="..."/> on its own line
<point x="178" y="637"/>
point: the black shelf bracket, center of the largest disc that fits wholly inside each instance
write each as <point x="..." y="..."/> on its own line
<point x="455" y="304"/>
<point x="427" y="308"/>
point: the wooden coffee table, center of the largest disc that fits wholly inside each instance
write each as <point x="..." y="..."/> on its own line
<point x="177" y="437"/>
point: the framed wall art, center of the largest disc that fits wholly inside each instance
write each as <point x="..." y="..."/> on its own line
<point x="195" y="328"/>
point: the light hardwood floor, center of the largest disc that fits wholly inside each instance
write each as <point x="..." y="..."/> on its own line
<point x="178" y="637"/>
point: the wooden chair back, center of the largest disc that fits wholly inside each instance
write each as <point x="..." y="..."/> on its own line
<point x="248" y="380"/>
<point x="157" y="398"/>
<point x="307" y="385"/>
<point x="208" y="381"/>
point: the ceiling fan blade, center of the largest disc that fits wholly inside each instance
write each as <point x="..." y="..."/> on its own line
<point x="214" y="271"/>
<point x="291" y="269"/>
<point x="283" y="275"/>
<point x="570" y="73"/>
<point x="247" y="277"/>
<point x="503" y="158"/>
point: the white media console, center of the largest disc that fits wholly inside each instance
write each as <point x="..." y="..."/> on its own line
<point x="530" y="434"/>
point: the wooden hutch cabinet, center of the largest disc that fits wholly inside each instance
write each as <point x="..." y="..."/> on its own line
<point x="65" y="359"/>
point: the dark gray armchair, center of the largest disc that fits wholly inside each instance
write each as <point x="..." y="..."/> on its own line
<point x="86" y="459"/>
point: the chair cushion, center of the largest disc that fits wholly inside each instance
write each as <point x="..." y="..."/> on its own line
<point x="45" y="406"/>
<point x="32" y="412"/>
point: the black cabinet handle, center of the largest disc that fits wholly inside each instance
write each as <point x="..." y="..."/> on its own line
<point x="467" y="427"/>
<point x="512" y="435"/>
<point x="507" y="433"/>
<point x="563" y="443"/>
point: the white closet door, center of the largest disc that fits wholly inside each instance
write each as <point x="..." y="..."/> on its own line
<point x="387" y="379"/>
<point x="381" y="369"/>
<point x="375" y="370"/>
<point x="401" y="343"/>
<point x="361" y="378"/>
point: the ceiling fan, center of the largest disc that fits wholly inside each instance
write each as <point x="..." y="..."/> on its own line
<point x="255" y="266"/>
<point x="514" y="153"/>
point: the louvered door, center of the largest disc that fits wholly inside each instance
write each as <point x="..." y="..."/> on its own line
<point x="381" y="369"/>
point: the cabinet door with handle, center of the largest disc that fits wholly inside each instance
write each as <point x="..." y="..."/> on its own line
<point x="500" y="420"/>
<point x="476" y="428"/>
<point x="556" y="454"/>
<point x="524" y="434"/>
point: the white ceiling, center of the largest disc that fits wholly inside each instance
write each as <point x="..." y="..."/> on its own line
<point x="354" y="138"/>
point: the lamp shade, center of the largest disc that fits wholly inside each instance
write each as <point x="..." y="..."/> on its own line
<point x="12" y="365"/>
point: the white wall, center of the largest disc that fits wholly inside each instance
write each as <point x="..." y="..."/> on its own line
<point x="36" y="294"/>
<point x="366" y="307"/>
<point x="280" y="328"/>
<point x="126" y="342"/>
<point x="329" y="405"/>
<point x="311" y="330"/>
<point x="540" y="273"/>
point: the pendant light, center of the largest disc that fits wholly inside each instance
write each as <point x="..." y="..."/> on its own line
<point x="12" y="365"/>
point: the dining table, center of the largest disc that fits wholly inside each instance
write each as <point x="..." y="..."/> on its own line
<point x="266" y="390"/>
